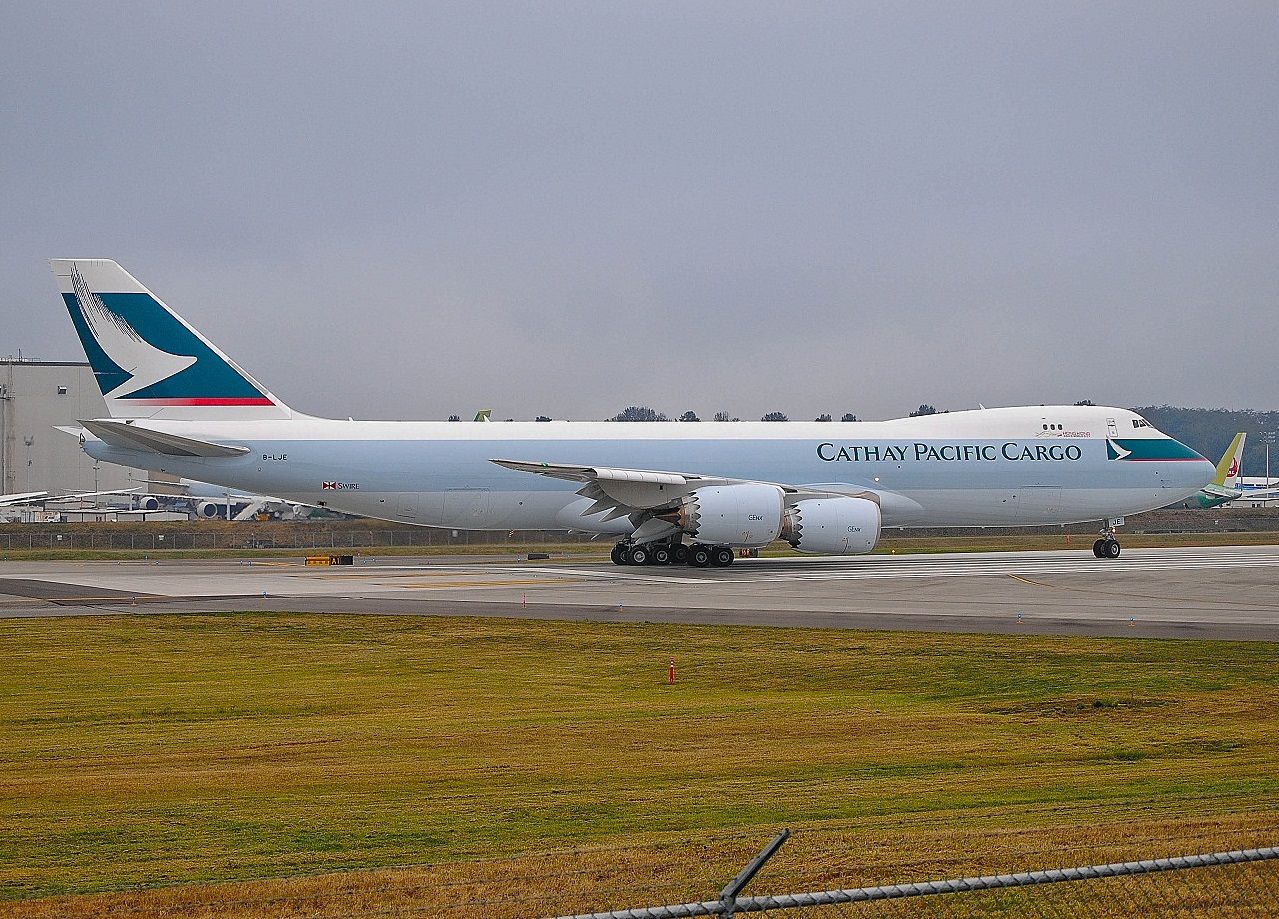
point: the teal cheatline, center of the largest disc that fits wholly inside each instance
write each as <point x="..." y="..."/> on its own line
<point x="1149" y="448"/>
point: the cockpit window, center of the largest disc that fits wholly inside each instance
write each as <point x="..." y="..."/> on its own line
<point x="1140" y="423"/>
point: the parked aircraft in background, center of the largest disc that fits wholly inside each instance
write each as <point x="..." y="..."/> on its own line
<point x="670" y="491"/>
<point x="1221" y="489"/>
<point x="44" y="497"/>
<point x="22" y="498"/>
<point x="206" y="501"/>
<point x="1226" y="485"/>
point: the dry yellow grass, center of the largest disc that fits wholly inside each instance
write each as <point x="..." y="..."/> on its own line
<point x="820" y="857"/>
<point x="527" y="768"/>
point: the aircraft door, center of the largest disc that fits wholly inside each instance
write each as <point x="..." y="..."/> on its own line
<point x="1112" y="429"/>
<point x="1042" y="502"/>
<point x="406" y="507"/>
<point x="467" y="508"/>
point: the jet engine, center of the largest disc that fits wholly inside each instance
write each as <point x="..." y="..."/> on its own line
<point x="149" y="503"/>
<point x="747" y="514"/>
<point x="832" y="526"/>
<point x="208" y="509"/>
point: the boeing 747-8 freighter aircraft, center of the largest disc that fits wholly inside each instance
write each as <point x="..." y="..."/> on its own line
<point x="672" y="492"/>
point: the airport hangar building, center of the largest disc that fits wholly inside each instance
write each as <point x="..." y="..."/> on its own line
<point x="34" y="397"/>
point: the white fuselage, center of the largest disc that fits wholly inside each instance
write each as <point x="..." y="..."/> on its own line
<point x="995" y="467"/>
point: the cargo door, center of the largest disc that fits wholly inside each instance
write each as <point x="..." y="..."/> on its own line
<point x="406" y="507"/>
<point x="1038" y="502"/>
<point x="467" y="508"/>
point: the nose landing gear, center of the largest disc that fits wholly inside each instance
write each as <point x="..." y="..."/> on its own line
<point x="1108" y="545"/>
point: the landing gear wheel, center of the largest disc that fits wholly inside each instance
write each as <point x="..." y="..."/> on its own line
<point x="722" y="556"/>
<point x="699" y="557"/>
<point x="661" y="555"/>
<point x="618" y="555"/>
<point x="1106" y="547"/>
<point x="679" y="554"/>
<point x="639" y="555"/>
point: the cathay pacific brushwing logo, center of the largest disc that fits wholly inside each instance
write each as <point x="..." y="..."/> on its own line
<point x="1151" y="450"/>
<point x="1116" y="452"/>
<point x="120" y="341"/>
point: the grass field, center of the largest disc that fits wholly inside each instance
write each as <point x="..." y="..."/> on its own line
<point x="143" y="752"/>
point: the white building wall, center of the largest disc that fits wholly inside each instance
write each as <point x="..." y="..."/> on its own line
<point x="34" y="397"/>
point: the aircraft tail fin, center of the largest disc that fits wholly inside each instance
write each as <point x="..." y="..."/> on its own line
<point x="1228" y="468"/>
<point x="148" y="361"/>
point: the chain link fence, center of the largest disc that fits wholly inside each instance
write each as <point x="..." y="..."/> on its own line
<point x="211" y="535"/>
<point x="821" y="873"/>
<point x="1242" y="882"/>
<point x="73" y="537"/>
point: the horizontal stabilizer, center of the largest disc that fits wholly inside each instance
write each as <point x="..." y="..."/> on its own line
<point x="129" y="435"/>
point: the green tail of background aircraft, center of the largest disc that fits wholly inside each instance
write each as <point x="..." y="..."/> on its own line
<point x="1223" y="488"/>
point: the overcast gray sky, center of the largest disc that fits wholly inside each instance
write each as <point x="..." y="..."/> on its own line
<point x="411" y="210"/>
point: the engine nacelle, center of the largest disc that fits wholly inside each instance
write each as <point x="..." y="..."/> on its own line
<point x="749" y="514"/>
<point x="208" y="509"/>
<point x="832" y="526"/>
<point x="149" y="503"/>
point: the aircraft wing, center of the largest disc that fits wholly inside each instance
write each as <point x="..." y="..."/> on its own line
<point x="23" y="498"/>
<point x="605" y="473"/>
<point x="77" y="495"/>
<point x="42" y="497"/>
<point x="623" y="492"/>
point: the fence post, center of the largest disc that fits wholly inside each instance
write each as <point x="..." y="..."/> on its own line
<point x="728" y="896"/>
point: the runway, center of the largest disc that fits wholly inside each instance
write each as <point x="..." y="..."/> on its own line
<point x="1225" y="592"/>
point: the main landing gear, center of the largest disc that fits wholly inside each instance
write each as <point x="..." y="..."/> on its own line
<point x="665" y="553"/>
<point x="1108" y="545"/>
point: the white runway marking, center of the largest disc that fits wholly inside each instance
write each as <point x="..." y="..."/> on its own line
<point x="612" y="574"/>
<point x="1001" y="564"/>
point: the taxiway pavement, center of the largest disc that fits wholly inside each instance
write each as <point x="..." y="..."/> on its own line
<point x="1222" y="592"/>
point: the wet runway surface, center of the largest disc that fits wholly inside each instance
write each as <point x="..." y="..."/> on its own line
<point x="1224" y="592"/>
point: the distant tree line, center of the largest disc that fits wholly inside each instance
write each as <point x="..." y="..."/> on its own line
<point x="644" y="413"/>
<point x="639" y="413"/>
<point x="1209" y="430"/>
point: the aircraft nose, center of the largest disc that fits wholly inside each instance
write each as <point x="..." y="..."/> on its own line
<point x="1199" y="473"/>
